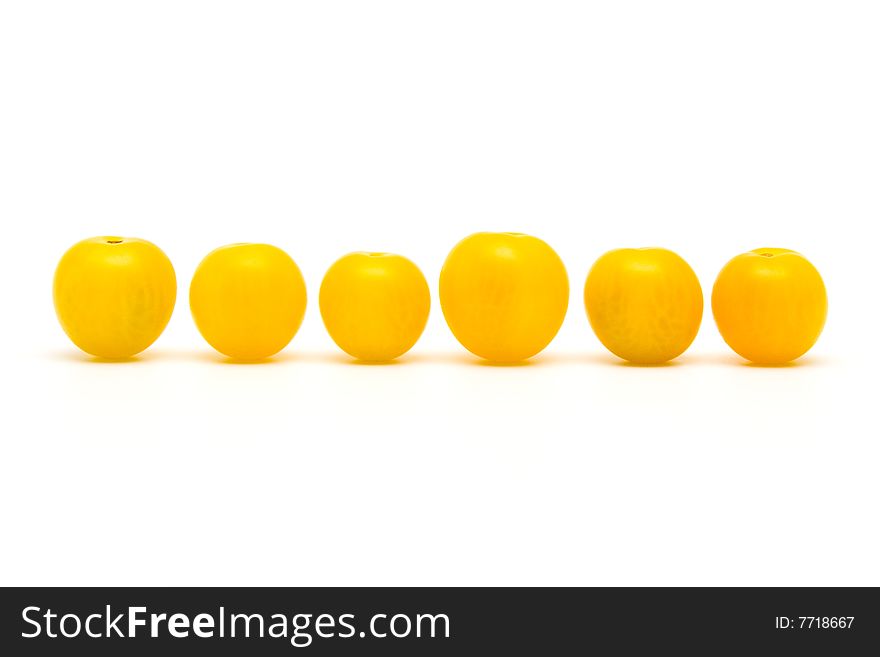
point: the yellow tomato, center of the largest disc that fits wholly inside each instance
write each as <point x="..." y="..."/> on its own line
<point x="248" y="300"/>
<point x="374" y="305"/>
<point x="114" y="295"/>
<point x="770" y="305"/>
<point x="645" y="305"/>
<point x="504" y="295"/>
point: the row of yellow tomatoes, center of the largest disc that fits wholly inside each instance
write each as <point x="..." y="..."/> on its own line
<point x="503" y="295"/>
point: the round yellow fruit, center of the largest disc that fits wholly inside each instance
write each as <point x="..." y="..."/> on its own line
<point x="645" y="305"/>
<point x="114" y="295"/>
<point x="770" y="305"/>
<point x="504" y="295"/>
<point x="374" y="305"/>
<point x="248" y="300"/>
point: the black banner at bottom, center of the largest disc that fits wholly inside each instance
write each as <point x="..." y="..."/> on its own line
<point x="441" y="621"/>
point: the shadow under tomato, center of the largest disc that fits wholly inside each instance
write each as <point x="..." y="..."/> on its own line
<point x="373" y="363"/>
<point x="647" y="366"/>
<point x="341" y="358"/>
<point x="221" y="359"/>
<point x="800" y="362"/>
<point x="74" y="356"/>
<point x="610" y="360"/>
<point x="467" y="358"/>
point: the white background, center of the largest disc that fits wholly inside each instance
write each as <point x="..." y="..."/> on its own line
<point x="708" y="128"/>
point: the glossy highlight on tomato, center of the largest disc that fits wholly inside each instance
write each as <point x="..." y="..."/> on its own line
<point x="374" y="305"/>
<point x="248" y="300"/>
<point x="114" y="295"/>
<point x="644" y="305"/>
<point x="504" y="295"/>
<point x="770" y="305"/>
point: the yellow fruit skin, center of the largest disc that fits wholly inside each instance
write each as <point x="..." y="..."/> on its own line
<point x="644" y="305"/>
<point x="248" y="300"/>
<point x="504" y="295"/>
<point x="374" y="305"/>
<point x="770" y="305"/>
<point x="114" y="295"/>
